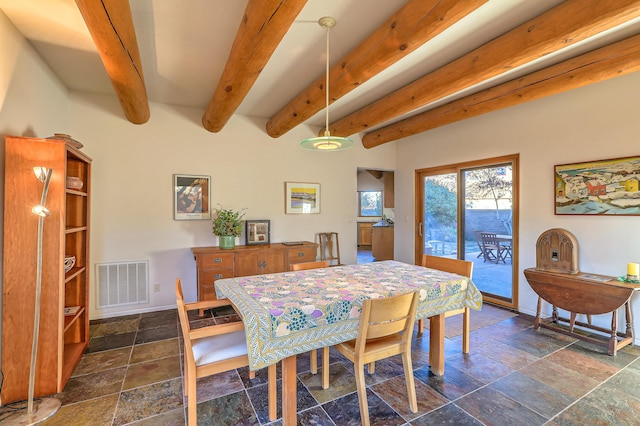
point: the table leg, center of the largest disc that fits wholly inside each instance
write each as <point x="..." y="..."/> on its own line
<point x="289" y="409"/>
<point x="436" y="344"/>
<point x="613" y="340"/>
<point x="273" y="400"/>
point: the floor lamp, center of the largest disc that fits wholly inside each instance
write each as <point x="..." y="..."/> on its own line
<point x="46" y="407"/>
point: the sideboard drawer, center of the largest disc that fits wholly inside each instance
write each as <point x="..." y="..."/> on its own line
<point x="217" y="261"/>
<point x="211" y="275"/>
<point x="302" y="254"/>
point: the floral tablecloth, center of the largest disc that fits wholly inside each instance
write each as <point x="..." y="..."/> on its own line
<point x="293" y="312"/>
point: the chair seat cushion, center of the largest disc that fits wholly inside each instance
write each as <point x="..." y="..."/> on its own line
<point x="220" y="347"/>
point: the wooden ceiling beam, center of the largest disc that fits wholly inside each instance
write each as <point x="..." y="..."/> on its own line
<point x="566" y="24"/>
<point x="111" y="27"/>
<point x="601" y="64"/>
<point x="417" y="22"/>
<point x="264" y="24"/>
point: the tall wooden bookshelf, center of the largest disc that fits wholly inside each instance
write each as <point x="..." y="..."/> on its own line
<point x="62" y="338"/>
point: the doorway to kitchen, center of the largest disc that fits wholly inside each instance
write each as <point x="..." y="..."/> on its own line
<point x="375" y="215"/>
<point x="469" y="211"/>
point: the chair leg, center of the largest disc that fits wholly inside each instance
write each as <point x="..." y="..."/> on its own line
<point x="325" y="367"/>
<point x="420" y="327"/>
<point x="465" y="330"/>
<point x="273" y="392"/>
<point x="371" y="367"/>
<point x="408" y="378"/>
<point x="313" y="359"/>
<point x="192" y="399"/>
<point x="362" y="393"/>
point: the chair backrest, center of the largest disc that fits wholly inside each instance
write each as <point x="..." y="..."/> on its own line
<point x="184" y="319"/>
<point x="329" y="247"/>
<point x="308" y="265"/>
<point x="385" y="317"/>
<point x="489" y="238"/>
<point x="455" y="266"/>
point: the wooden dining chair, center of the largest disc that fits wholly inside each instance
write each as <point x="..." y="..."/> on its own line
<point x="313" y="354"/>
<point x="455" y="266"/>
<point x="214" y="349"/>
<point x="385" y="330"/>
<point x="330" y="248"/>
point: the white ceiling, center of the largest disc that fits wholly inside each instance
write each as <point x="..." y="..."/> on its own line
<point x="184" y="46"/>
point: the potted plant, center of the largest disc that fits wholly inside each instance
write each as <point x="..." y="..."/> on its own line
<point x="227" y="225"/>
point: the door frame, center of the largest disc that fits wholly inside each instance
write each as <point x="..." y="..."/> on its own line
<point x="515" y="207"/>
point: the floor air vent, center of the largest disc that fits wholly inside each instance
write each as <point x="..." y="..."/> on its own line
<point x="122" y="283"/>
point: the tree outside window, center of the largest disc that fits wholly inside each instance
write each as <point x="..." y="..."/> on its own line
<point x="370" y="203"/>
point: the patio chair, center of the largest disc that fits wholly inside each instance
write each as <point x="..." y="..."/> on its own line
<point x="493" y="249"/>
<point x="384" y="331"/>
<point x="325" y="351"/>
<point x="213" y="349"/>
<point x="480" y="246"/>
<point x="455" y="266"/>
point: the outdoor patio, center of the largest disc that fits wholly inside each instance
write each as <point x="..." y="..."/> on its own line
<point x="488" y="276"/>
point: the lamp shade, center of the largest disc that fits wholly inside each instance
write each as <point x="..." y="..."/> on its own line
<point x="327" y="143"/>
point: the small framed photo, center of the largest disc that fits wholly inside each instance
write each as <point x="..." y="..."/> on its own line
<point x="191" y="197"/>
<point x="257" y="232"/>
<point x="301" y="198"/>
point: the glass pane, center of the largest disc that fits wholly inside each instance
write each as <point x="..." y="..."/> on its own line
<point x="488" y="196"/>
<point x="440" y="215"/>
<point x="370" y="203"/>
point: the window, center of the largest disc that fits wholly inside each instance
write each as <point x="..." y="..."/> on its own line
<point x="369" y="203"/>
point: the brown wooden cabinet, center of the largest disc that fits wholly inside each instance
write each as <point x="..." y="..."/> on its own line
<point x="62" y="338"/>
<point x="364" y="234"/>
<point x="389" y="192"/>
<point x="214" y="263"/>
<point x="382" y="242"/>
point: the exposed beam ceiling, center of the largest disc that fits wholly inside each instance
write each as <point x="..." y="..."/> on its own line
<point x="417" y="22"/>
<point x="111" y="27"/>
<point x="264" y="24"/>
<point x="607" y="62"/>
<point x="405" y="67"/>
<point x="566" y="24"/>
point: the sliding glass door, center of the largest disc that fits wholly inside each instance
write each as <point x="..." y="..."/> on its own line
<point x="469" y="211"/>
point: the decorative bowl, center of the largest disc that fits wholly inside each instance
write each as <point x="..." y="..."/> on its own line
<point x="69" y="262"/>
<point x="74" y="183"/>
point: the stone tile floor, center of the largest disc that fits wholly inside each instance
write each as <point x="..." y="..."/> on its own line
<point x="131" y="375"/>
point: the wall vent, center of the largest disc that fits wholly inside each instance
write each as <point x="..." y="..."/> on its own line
<point x="122" y="283"/>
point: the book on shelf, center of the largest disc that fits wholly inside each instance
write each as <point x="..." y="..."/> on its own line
<point x="71" y="310"/>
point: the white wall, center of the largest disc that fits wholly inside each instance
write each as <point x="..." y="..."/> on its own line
<point x="132" y="207"/>
<point x="591" y="123"/>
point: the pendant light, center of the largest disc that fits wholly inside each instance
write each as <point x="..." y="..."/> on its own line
<point x="327" y="142"/>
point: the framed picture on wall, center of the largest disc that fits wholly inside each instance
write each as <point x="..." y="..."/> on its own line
<point x="191" y="197"/>
<point x="257" y="232"/>
<point x="301" y="198"/>
<point x="602" y="187"/>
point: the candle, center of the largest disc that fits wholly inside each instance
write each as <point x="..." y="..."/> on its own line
<point x="633" y="269"/>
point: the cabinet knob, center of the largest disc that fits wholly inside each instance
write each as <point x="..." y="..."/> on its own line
<point x="217" y="276"/>
<point x="217" y="260"/>
<point x="300" y="254"/>
<point x="262" y="264"/>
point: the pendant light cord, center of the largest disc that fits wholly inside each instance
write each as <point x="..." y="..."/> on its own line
<point x="326" y="88"/>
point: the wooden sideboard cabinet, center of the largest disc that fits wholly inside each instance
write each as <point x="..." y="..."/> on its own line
<point x="62" y="338"/>
<point x="214" y="263"/>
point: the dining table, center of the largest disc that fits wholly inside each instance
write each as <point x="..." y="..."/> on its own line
<point x="289" y="313"/>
